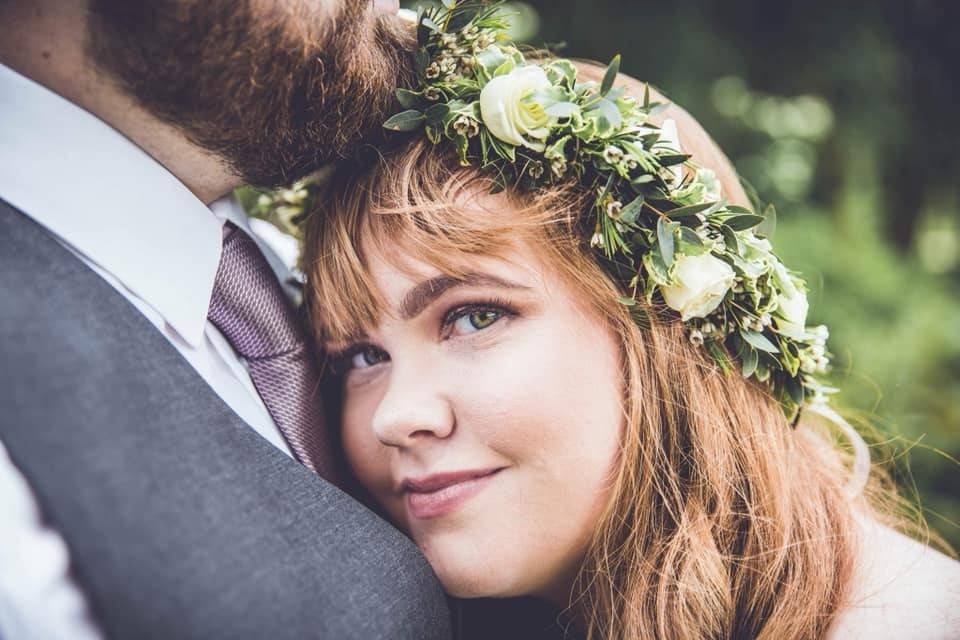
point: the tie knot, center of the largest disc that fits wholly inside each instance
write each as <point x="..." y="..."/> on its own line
<point x="248" y="304"/>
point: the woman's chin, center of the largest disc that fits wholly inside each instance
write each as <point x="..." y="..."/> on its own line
<point x="465" y="573"/>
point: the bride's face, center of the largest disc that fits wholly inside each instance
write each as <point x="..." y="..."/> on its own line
<point x="484" y="415"/>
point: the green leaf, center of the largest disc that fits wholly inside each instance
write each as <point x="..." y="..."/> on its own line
<point x="759" y="341"/>
<point x="795" y="390"/>
<point x="463" y="15"/>
<point x="449" y="4"/>
<point x="420" y="62"/>
<point x="609" y="184"/>
<point x="630" y="212"/>
<point x="607" y="114"/>
<point x="735" y="208"/>
<point x="749" y="360"/>
<point x="408" y="99"/>
<point x="665" y="240"/>
<point x="491" y="58"/>
<point x="743" y="222"/>
<point x="689" y="210"/>
<point x="670" y="159"/>
<point x="436" y="113"/>
<point x="409" y="120"/>
<point x="564" y="69"/>
<point x="692" y="244"/>
<point x="769" y="224"/>
<point x="562" y="110"/>
<point x="730" y="239"/>
<point x="627" y="301"/>
<point x="612" y="70"/>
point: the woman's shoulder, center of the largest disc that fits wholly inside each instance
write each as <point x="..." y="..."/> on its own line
<point x="901" y="589"/>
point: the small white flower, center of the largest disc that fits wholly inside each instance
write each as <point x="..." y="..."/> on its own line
<point x="696" y="337"/>
<point x="613" y="209"/>
<point x="612" y="154"/>
<point x="448" y="39"/>
<point x="535" y="170"/>
<point x="700" y="284"/>
<point x="558" y="166"/>
<point x="509" y="111"/>
<point x="432" y="94"/>
<point x="447" y="65"/>
<point x="596" y="240"/>
<point x="765" y="320"/>
<point x="466" y="126"/>
<point x="707" y="328"/>
<point x="433" y="71"/>
<point x="821" y="332"/>
<point x="484" y="40"/>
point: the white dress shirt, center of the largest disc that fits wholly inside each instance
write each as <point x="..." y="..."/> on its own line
<point x="145" y="233"/>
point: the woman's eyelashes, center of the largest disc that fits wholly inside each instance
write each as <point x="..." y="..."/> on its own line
<point x="467" y="319"/>
<point x="460" y="321"/>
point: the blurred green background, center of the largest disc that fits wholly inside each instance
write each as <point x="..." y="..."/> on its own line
<point x="844" y="115"/>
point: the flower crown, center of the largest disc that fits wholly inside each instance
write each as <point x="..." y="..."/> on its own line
<point x="660" y="232"/>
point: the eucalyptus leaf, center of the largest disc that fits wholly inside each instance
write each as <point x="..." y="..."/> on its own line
<point x="743" y="222"/>
<point x="759" y="341"/>
<point x="408" y="99"/>
<point x="769" y="224"/>
<point x="730" y="239"/>
<point x="795" y="390"/>
<point x="632" y="210"/>
<point x="436" y="113"/>
<point x="409" y="120"/>
<point x="665" y="239"/>
<point x="462" y="15"/>
<point x="670" y="159"/>
<point x="748" y="361"/>
<point x="689" y="210"/>
<point x="611" y="74"/>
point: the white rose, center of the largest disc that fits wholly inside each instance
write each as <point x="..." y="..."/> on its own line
<point x="700" y="283"/>
<point x="509" y="113"/>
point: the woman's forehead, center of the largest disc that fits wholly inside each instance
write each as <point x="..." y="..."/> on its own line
<point x="395" y="272"/>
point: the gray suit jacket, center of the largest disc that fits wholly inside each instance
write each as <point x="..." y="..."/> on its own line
<point x="181" y="521"/>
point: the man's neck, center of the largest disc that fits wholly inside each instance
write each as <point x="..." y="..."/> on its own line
<point x="48" y="47"/>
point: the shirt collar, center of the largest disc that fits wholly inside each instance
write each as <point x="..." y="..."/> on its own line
<point x="108" y="200"/>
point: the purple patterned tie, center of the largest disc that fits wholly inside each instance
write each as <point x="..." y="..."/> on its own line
<point x="249" y="307"/>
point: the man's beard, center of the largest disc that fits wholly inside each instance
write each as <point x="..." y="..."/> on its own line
<point x="275" y="91"/>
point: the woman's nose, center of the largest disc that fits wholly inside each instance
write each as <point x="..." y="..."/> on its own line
<point x="413" y="407"/>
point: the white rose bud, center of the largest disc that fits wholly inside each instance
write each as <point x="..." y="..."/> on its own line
<point x="509" y="113"/>
<point x="700" y="283"/>
<point x="793" y="312"/>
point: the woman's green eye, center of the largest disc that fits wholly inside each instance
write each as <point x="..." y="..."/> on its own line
<point x="475" y="321"/>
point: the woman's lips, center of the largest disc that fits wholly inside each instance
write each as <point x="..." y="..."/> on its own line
<point x="440" y="494"/>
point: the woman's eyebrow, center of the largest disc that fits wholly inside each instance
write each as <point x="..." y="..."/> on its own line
<point x="421" y="295"/>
